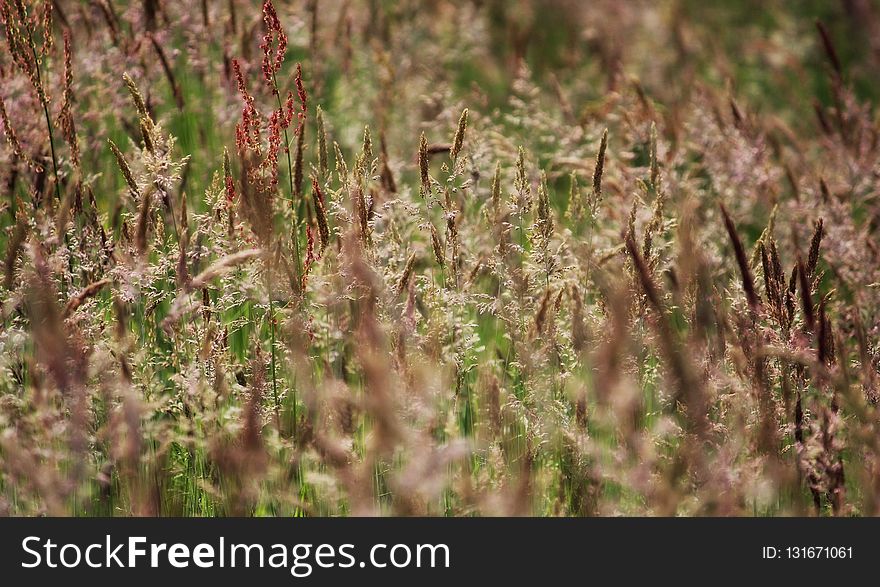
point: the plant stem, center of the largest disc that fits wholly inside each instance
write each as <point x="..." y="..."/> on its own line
<point x="296" y="250"/>
<point x="45" y="103"/>
<point x="41" y="93"/>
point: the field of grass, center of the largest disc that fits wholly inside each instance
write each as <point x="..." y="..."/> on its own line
<point x="453" y="258"/>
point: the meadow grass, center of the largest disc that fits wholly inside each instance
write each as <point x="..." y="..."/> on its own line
<point x="450" y="258"/>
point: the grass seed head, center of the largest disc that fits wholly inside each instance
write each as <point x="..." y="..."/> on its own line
<point x="458" y="139"/>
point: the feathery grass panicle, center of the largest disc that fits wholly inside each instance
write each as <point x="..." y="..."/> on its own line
<point x="147" y="137"/>
<point x="653" y="228"/>
<point x="65" y="117"/>
<point x="545" y="211"/>
<point x="222" y="266"/>
<point x="320" y="214"/>
<point x="386" y="176"/>
<point x="522" y="185"/>
<point x="424" y="173"/>
<point x="643" y="274"/>
<point x="631" y="221"/>
<point x="815" y="243"/>
<point x="87" y="292"/>
<point x="13" y="140"/>
<point x="405" y="275"/>
<point x="543" y="309"/>
<point x="323" y="158"/>
<point x="458" y="139"/>
<point x="126" y="170"/>
<point x="437" y="247"/>
<point x="771" y="285"/>
<point x="137" y="97"/>
<point x="366" y="158"/>
<point x="806" y="296"/>
<point x="143" y="220"/>
<point x="341" y="166"/>
<point x="227" y="166"/>
<point x="599" y="170"/>
<point x="496" y="192"/>
<point x="748" y="282"/>
<point x="361" y="211"/>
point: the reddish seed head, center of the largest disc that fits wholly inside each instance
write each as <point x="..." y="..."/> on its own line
<point x="288" y="110"/>
<point x="230" y="189"/>
<point x="274" y="35"/>
<point x="300" y="89"/>
<point x="310" y="254"/>
<point x="247" y="131"/>
<point x="276" y="122"/>
<point x="236" y="67"/>
<point x="68" y="128"/>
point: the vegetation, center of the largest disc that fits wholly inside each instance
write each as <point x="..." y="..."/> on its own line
<point x="441" y="258"/>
